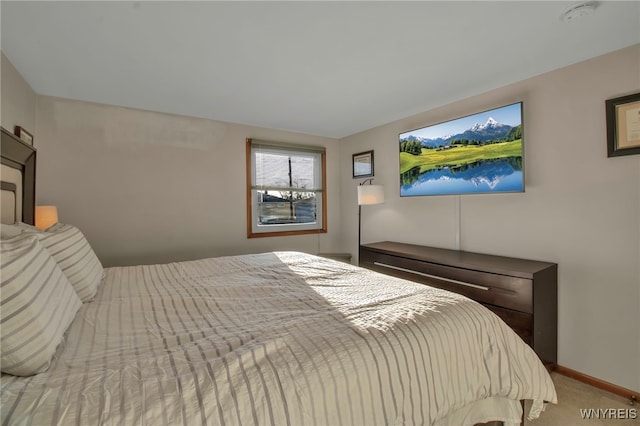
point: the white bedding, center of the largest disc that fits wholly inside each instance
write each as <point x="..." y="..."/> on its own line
<point x="276" y="338"/>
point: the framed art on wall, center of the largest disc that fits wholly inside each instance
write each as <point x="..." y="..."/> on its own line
<point x="623" y="125"/>
<point x="363" y="164"/>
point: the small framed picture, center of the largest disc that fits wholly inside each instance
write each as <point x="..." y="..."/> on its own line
<point x="24" y="135"/>
<point x="363" y="164"/>
<point x="623" y="125"/>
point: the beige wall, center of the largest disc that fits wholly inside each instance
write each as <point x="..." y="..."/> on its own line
<point x="580" y="208"/>
<point x="147" y="187"/>
<point x="18" y="99"/>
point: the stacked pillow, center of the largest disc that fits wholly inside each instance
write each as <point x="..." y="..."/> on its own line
<point x="45" y="277"/>
<point x="69" y="247"/>
<point x="38" y="304"/>
<point x="10" y="231"/>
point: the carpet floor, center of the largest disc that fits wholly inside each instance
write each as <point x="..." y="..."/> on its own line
<point x="574" y="396"/>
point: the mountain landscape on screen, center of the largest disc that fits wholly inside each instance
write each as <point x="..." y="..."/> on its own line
<point x="479" y="132"/>
<point x="473" y="154"/>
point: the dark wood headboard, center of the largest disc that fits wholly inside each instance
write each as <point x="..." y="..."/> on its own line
<point x="22" y="157"/>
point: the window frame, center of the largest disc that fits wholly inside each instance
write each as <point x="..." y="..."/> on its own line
<point x="285" y="230"/>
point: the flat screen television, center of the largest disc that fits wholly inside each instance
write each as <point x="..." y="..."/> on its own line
<point x="479" y="153"/>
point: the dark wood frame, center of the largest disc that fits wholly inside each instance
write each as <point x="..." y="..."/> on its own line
<point x="613" y="135"/>
<point x="24" y="135"/>
<point x="353" y="164"/>
<point x="21" y="156"/>
<point x="251" y="234"/>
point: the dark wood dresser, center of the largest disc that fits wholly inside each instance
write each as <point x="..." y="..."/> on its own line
<point x="524" y="293"/>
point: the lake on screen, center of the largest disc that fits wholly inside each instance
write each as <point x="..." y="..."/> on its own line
<point x="498" y="175"/>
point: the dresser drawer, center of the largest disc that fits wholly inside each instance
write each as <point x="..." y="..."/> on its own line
<point x="495" y="289"/>
<point x="520" y="322"/>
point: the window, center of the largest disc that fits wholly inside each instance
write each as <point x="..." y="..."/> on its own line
<point x="285" y="189"/>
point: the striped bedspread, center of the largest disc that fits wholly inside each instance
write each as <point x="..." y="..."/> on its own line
<point x="279" y="338"/>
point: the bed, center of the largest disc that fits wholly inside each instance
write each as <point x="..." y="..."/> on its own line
<point x="281" y="338"/>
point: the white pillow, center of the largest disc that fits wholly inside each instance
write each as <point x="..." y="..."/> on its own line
<point x="37" y="305"/>
<point x="13" y="230"/>
<point x="9" y="231"/>
<point x="68" y="246"/>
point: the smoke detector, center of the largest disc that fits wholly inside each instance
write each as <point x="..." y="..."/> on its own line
<point x="579" y="11"/>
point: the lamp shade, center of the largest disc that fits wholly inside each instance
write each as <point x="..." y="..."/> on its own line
<point x="46" y="216"/>
<point x="370" y="194"/>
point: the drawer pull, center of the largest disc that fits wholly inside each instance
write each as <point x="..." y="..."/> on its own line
<point x="480" y="287"/>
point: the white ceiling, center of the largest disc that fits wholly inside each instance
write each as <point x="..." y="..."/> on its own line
<point x="322" y="68"/>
